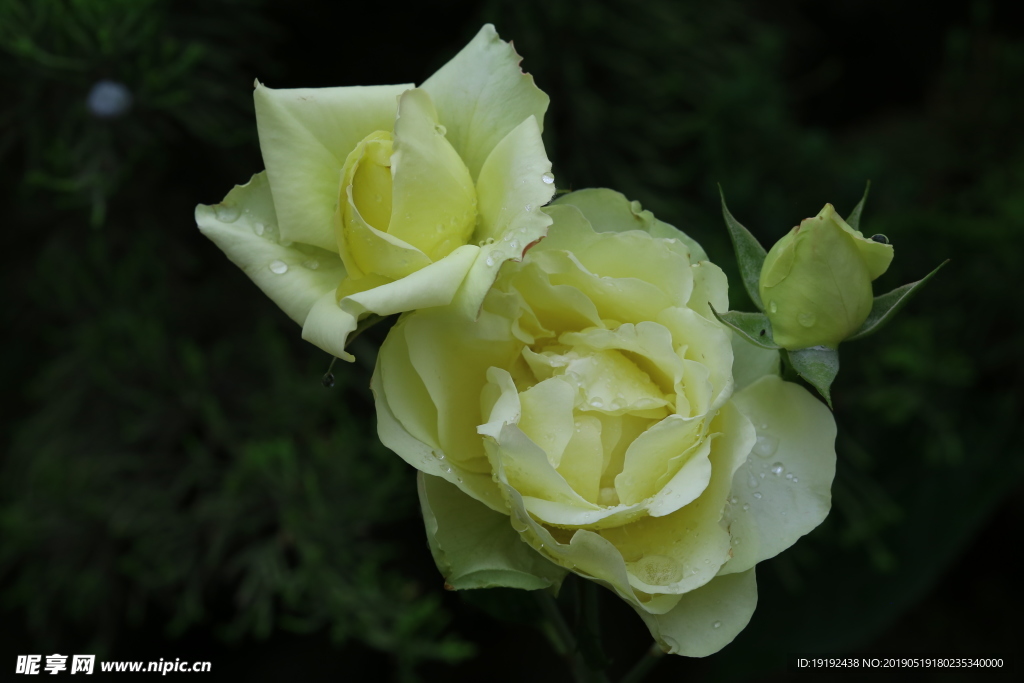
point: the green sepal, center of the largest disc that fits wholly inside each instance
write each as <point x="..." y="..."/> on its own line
<point x="886" y="306"/>
<point x="750" y="254"/>
<point x="819" y="365"/>
<point x="476" y="547"/>
<point x="753" y="327"/>
<point x="853" y="220"/>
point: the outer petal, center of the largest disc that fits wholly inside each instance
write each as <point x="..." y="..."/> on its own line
<point x="475" y="547"/>
<point x="510" y="192"/>
<point x="423" y="456"/>
<point x="610" y="211"/>
<point x="330" y="322"/>
<point x="434" y="202"/>
<point x="244" y="226"/>
<point x="707" y="619"/>
<point x="783" y="491"/>
<point x="482" y="94"/>
<point x="305" y="136"/>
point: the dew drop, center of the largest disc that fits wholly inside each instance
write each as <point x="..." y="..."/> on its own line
<point x="717" y="624"/>
<point x="311" y="264"/>
<point x="327" y="380"/>
<point x="441" y="130"/>
<point x="752" y="481"/>
<point x="777" y="468"/>
<point x="490" y="260"/>
<point x="746" y="506"/>
<point x="807" y="319"/>
<point x="596" y="402"/>
<point x="259" y="228"/>
<point x="513" y="245"/>
<point x="789" y="475"/>
<point x="773" y="307"/>
<point x="881" y="239"/>
<point x="765" y="446"/>
<point x="548" y="178"/>
<point x="795" y="480"/>
<point x="529" y="207"/>
<point x="278" y="267"/>
<point x="757" y="495"/>
<point x="734" y="500"/>
<point x="226" y="213"/>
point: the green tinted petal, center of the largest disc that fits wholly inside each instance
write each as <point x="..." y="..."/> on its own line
<point x="710" y="288"/>
<point x="547" y="416"/>
<point x="331" y="321"/>
<point x="511" y="183"/>
<point x="528" y="469"/>
<point x="434" y="201"/>
<point x="481" y="95"/>
<point x="582" y="460"/>
<point x="475" y="547"/>
<point x="610" y="211"/>
<point x="707" y="619"/>
<point x="795" y="451"/>
<point x="420" y="455"/>
<point x="877" y="256"/>
<point x="452" y="354"/>
<point x="681" y="547"/>
<point x="305" y="136"/>
<point x="378" y="251"/>
<point x="244" y="226"/>
<point x="649" y="457"/>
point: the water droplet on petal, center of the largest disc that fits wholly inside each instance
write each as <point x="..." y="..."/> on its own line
<point x="441" y="130"/>
<point x="717" y="624"/>
<point x="278" y="267"/>
<point x="259" y="228"/>
<point x="765" y="446"/>
<point x="757" y="495"/>
<point x="226" y="213"/>
<point x="777" y="468"/>
<point x="773" y="307"/>
<point x="734" y="500"/>
<point x="789" y="475"/>
<point x="311" y="264"/>
<point x="490" y="260"/>
<point x="529" y="207"/>
<point x="807" y="319"/>
<point x="752" y="481"/>
<point x="746" y="506"/>
<point x="795" y="480"/>
<point x="548" y="178"/>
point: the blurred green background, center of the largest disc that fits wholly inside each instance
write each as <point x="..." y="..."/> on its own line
<point x="177" y="483"/>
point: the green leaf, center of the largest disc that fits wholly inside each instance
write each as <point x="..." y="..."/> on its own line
<point x="888" y="305"/>
<point x="476" y="547"/>
<point x="753" y="327"/>
<point x="854" y="218"/>
<point x="749" y="253"/>
<point x="819" y="365"/>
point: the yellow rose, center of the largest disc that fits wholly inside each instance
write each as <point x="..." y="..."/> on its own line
<point x="598" y="411"/>
<point x="816" y="281"/>
<point x="386" y="199"/>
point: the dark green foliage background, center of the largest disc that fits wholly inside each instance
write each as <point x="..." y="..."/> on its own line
<point x="177" y="483"/>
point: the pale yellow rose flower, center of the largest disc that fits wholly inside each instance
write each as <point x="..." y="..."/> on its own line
<point x="385" y="199"/>
<point x="598" y="412"/>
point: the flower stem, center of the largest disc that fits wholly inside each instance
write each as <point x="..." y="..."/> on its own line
<point x="644" y="666"/>
<point x="566" y="641"/>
